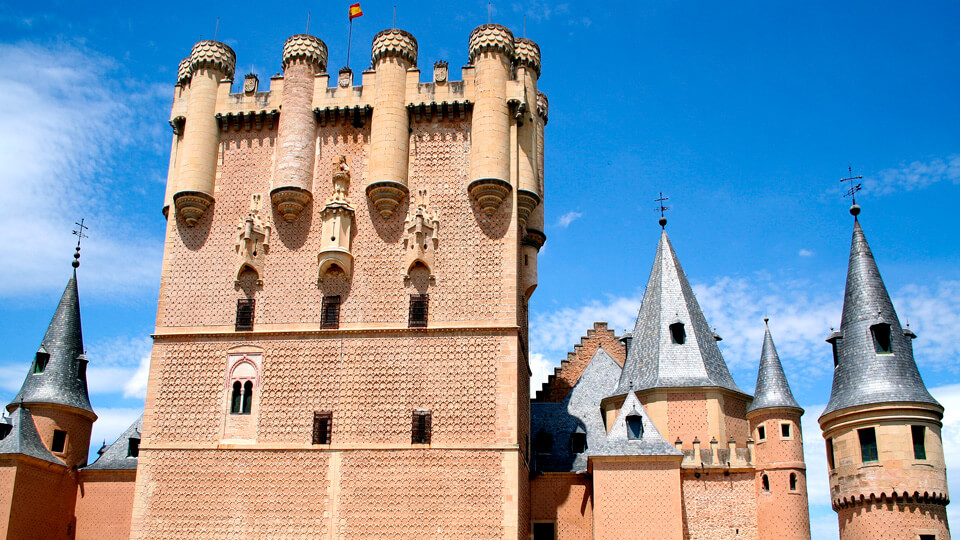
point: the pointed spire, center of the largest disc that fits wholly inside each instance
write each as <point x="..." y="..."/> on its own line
<point x="673" y="346"/>
<point x="58" y="373"/>
<point x="772" y="390"/>
<point x="874" y="354"/>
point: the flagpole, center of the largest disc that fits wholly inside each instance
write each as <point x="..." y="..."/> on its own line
<point x="349" y="39"/>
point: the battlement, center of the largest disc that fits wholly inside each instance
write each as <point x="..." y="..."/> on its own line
<point x="712" y="458"/>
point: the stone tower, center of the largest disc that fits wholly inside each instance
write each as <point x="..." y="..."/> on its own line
<point x="774" y="416"/>
<point x="343" y="300"/>
<point x="882" y="427"/>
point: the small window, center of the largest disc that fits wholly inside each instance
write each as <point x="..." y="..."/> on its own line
<point x="785" y="431"/>
<point x="928" y="537"/>
<point x="247" y="396"/>
<point x="543" y="444"/>
<point x="868" y="444"/>
<point x="82" y="370"/>
<point x="836" y="353"/>
<point x="419" y="304"/>
<point x="677" y="333"/>
<point x="236" y="398"/>
<point x="245" y="310"/>
<point x="544" y="531"/>
<point x="793" y="481"/>
<point x="330" y="314"/>
<point x="830" y="453"/>
<point x="59" y="441"/>
<point x="761" y="433"/>
<point x="421" y="427"/>
<point x="634" y="427"/>
<point x="133" y="447"/>
<point x="5" y="430"/>
<point x="40" y="362"/>
<point x="919" y="443"/>
<point x="578" y="442"/>
<point x="881" y="338"/>
<point x="322" y="427"/>
<point x="766" y="482"/>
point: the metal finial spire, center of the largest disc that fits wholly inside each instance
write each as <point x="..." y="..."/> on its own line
<point x="854" y="188"/>
<point x="80" y="236"/>
<point x="662" y="208"/>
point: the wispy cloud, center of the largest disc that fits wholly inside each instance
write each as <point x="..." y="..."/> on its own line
<point x="539" y="10"/>
<point x="568" y="218"/>
<point x="115" y="366"/>
<point x="805" y="253"/>
<point x="111" y="422"/>
<point x="63" y="161"/>
<point x="915" y="175"/>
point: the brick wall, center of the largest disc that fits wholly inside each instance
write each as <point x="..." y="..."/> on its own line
<point x="105" y="504"/>
<point x="566" y="376"/>
<point x="717" y="506"/>
<point x="43" y="501"/>
<point x="636" y="498"/>
<point x="566" y="498"/>
<point x="893" y="521"/>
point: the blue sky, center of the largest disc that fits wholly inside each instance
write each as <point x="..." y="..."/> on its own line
<point x="744" y="114"/>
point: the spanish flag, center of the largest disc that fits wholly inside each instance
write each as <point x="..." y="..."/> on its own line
<point x="355" y="11"/>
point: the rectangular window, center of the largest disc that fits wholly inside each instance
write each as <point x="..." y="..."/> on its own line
<point x="868" y="444"/>
<point x="677" y="334"/>
<point x="419" y="304"/>
<point x="330" y="315"/>
<point x="919" y="443"/>
<point x="761" y="433"/>
<point x="133" y="447"/>
<point x="245" y="308"/>
<point x="836" y="353"/>
<point x="322" y="427"/>
<point x="928" y="537"/>
<point x="544" y="531"/>
<point x="421" y="427"/>
<point x="830" y="453"/>
<point x="59" y="441"/>
<point x="40" y="363"/>
<point x="881" y="338"/>
<point x="82" y="371"/>
<point x="785" y="431"/>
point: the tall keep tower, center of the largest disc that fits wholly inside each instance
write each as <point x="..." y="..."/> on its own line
<point x="882" y="427"/>
<point x="343" y="302"/>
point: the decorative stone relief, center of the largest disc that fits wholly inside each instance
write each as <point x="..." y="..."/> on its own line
<point x="253" y="241"/>
<point x="420" y="235"/>
<point x="345" y="77"/>
<point x="250" y="83"/>
<point x="337" y="228"/>
<point x="441" y="72"/>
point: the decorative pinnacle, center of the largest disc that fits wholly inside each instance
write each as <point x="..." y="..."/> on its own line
<point x="852" y="192"/>
<point x="766" y="320"/>
<point x="80" y="236"/>
<point x="662" y="209"/>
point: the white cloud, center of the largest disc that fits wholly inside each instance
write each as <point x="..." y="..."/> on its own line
<point x="568" y="218"/>
<point x="115" y="365"/>
<point x="136" y="385"/>
<point x="949" y="397"/>
<point x="539" y="10"/>
<point x="541" y="369"/>
<point x="805" y="253"/>
<point x="63" y="161"/>
<point x="915" y="175"/>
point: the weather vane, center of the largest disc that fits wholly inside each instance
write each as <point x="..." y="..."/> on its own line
<point x="661" y="208"/>
<point x="80" y="236"/>
<point x="854" y="185"/>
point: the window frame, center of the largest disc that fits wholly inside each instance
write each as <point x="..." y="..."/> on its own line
<point x="922" y="454"/>
<point x="830" y="457"/>
<point x="322" y="427"/>
<point x="761" y="433"/>
<point x="419" y="306"/>
<point x="133" y="448"/>
<point x="789" y="428"/>
<point x="422" y="429"/>
<point x="682" y="333"/>
<point x="794" y="481"/>
<point x="246" y="311"/>
<point x="634" y="421"/>
<point x="878" y="330"/>
<point x="864" y="454"/>
<point x="63" y="441"/>
<point x="330" y="306"/>
<point x="40" y="361"/>
<point x="765" y="483"/>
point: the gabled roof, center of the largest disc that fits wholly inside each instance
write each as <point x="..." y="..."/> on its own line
<point x="617" y="443"/>
<point x="654" y="360"/>
<point x="115" y="456"/>
<point x="862" y="375"/>
<point x="23" y="438"/>
<point x="772" y="390"/>
<point x="61" y="382"/>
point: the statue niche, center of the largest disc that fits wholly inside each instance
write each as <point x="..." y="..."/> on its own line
<point x="420" y="236"/>
<point x="253" y="242"/>
<point x="337" y="229"/>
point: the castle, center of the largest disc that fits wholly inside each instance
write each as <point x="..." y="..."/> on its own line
<point x="341" y="346"/>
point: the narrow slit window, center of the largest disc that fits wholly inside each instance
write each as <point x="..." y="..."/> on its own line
<point x="82" y="370"/>
<point x="677" y="333"/>
<point x="881" y="338"/>
<point x="868" y="444"/>
<point x="421" y="427"/>
<point x="928" y="537"/>
<point x="761" y="433"/>
<point x="919" y="443"/>
<point x="245" y="310"/>
<point x="830" y="453"/>
<point x="785" y="431"/>
<point x="59" y="441"/>
<point x="793" y="481"/>
<point x="765" y="480"/>
<point x="330" y="314"/>
<point x="322" y="427"/>
<point x="836" y="353"/>
<point x="133" y="447"/>
<point x="634" y="427"/>
<point x="40" y="363"/>
<point x="247" y="396"/>
<point x="419" y="306"/>
<point x="236" y="398"/>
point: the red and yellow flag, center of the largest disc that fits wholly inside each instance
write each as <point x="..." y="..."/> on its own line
<point x="355" y="11"/>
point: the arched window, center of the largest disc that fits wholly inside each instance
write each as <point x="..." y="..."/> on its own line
<point x="793" y="481"/>
<point x="247" y="396"/>
<point x="236" y="400"/>
<point x="766" y="482"/>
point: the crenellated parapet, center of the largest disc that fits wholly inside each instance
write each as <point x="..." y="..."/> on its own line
<point x="491" y="38"/>
<point x="395" y="43"/>
<point x="306" y="49"/>
<point x="527" y="53"/>
<point x="213" y="55"/>
<point x="714" y="457"/>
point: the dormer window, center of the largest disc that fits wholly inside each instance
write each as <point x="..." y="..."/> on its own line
<point x="881" y="338"/>
<point x="5" y="430"/>
<point x="634" y="427"/>
<point x="82" y="370"/>
<point x="677" y="334"/>
<point x="578" y="442"/>
<point x="40" y="362"/>
<point x="133" y="447"/>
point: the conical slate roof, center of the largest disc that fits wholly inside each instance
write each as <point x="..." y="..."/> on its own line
<point x="654" y="359"/>
<point x="117" y="455"/>
<point x="617" y="442"/>
<point x="772" y="390"/>
<point x="23" y="438"/>
<point x="863" y="375"/>
<point x="64" y="379"/>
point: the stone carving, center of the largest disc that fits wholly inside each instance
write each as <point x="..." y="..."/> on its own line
<point x="527" y="53"/>
<point x="542" y="106"/>
<point x="420" y="235"/>
<point x="490" y="37"/>
<point x="345" y="78"/>
<point x="253" y="241"/>
<point x="394" y="42"/>
<point x="305" y="48"/>
<point x="489" y="193"/>
<point x="337" y="228"/>
<point x="250" y="83"/>
<point x="213" y="55"/>
<point x="441" y="72"/>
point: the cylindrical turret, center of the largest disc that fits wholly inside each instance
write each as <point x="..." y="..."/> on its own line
<point x="394" y="52"/>
<point x="781" y="483"/>
<point x="534" y="237"/>
<point x="303" y="57"/>
<point x="491" y="53"/>
<point x="183" y="78"/>
<point x="210" y="61"/>
<point x="528" y="71"/>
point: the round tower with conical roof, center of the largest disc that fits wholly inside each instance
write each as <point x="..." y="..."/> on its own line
<point x="881" y="425"/>
<point x="774" y="417"/>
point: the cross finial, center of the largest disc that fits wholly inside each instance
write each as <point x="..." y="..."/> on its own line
<point x="80" y="236"/>
<point x="661" y="208"/>
<point x="852" y="191"/>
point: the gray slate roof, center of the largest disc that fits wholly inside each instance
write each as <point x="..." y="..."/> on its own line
<point x="863" y="376"/>
<point x="59" y="383"/>
<point x="579" y="410"/>
<point x="772" y="388"/>
<point x="616" y="443"/>
<point x="114" y="457"/>
<point x="654" y="361"/>
<point x="23" y="438"/>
